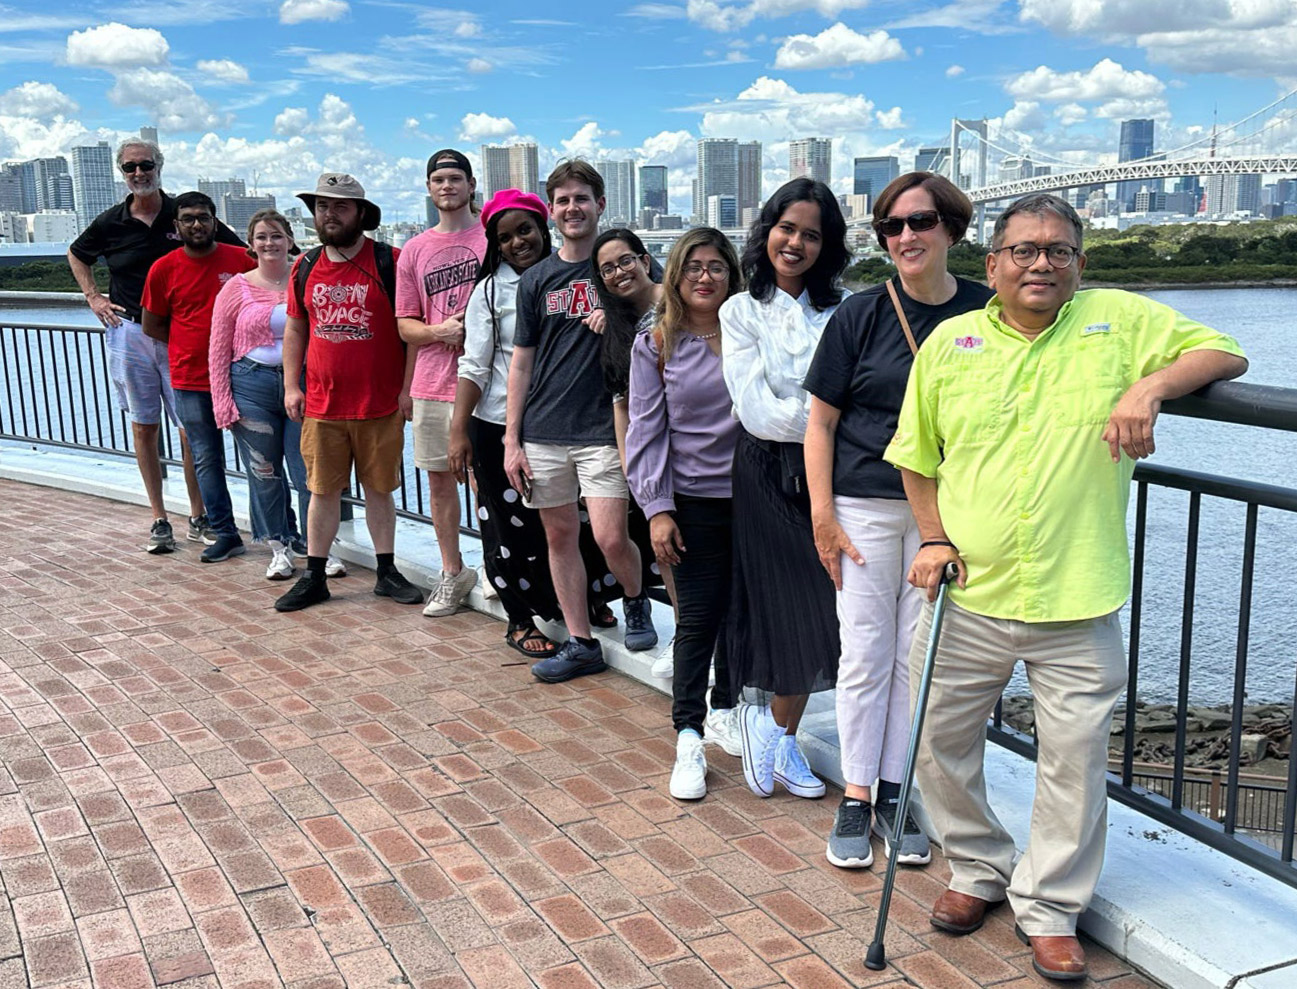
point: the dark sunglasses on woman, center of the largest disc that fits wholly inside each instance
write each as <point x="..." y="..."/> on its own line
<point x="890" y="226"/>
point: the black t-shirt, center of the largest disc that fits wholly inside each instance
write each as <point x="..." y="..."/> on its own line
<point x="861" y="368"/>
<point x="568" y="403"/>
<point x="129" y="248"/>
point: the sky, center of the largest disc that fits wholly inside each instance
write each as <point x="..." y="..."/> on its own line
<point x="277" y="91"/>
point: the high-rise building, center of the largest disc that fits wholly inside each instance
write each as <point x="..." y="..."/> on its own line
<point x="619" y="191"/>
<point x="46" y="185"/>
<point x="240" y="209"/>
<point x="1228" y="194"/>
<point x="512" y="166"/>
<point x="218" y="190"/>
<point x="149" y="134"/>
<point x="1136" y="144"/>
<point x="811" y="157"/>
<point x="871" y="175"/>
<point x="723" y="212"/>
<point x="13" y="227"/>
<point x="11" y="189"/>
<point x="93" y="178"/>
<point x="727" y="167"/>
<point x="432" y="215"/>
<point x="749" y="183"/>
<point x="932" y="159"/>
<point x="653" y="188"/>
<point x="54" y="226"/>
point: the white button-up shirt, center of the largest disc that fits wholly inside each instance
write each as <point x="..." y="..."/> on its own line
<point x="483" y="362"/>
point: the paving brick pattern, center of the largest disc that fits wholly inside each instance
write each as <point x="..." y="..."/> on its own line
<point x="196" y="791"/>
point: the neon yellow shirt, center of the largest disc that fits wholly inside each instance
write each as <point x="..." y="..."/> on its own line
<point x="1011" y="429"/>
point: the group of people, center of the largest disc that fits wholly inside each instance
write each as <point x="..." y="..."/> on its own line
<point x="799" y="465"/>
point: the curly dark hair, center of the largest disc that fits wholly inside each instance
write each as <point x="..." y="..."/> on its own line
<point x="619" y="333"/>
<point x="822" y="280"/>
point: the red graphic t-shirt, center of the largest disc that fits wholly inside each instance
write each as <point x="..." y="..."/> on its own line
<point x="355" y="363"/>
<point x="184" y="289"/>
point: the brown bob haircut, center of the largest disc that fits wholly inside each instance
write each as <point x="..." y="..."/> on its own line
<point x="574" y="170"/>
<point x="279" y="220"/>
<point x="955" y="209"/>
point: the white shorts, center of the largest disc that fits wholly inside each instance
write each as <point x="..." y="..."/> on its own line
<point x="560" y="474"/>
<point x="432" y="434"/>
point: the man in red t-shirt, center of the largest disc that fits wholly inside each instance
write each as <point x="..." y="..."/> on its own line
<point x="176" y="308"/>
<point x="353" y="410"/>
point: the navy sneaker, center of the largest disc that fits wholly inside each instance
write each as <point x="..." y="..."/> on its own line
<point x="572" y="660"/>
<point x="640" y="633"/>
<point x="223" y="549"/>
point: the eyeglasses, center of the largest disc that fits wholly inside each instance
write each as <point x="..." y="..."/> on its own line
<point x="719" y="270"/>
<point x="195" y="220"/>
<point x="1025" y="254"/>
<point x="624" y="263"/>
<point x="144" y="166"/>
<point x="925" y="219"/>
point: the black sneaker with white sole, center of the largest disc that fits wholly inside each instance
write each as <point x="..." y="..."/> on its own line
<point x="161" y="538"/>
<point x="223" y="549"/>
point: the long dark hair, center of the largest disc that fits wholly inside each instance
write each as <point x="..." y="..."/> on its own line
<point x="822" y="280"/>
<point x="492" y="260"/>
<point x="619" y="332"/>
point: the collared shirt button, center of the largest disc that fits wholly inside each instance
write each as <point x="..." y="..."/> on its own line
<point x="1025" y="427"/>
<point x="1024" y="515"/>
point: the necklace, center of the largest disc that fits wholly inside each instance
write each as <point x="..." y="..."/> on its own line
<point x="707" y="336"/>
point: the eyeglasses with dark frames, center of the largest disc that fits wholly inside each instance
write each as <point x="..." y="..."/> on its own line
<point x="718" y="270"/>
<point x="144" y="166"/>
<point x="1025" y="254"/>
<point x="195" y="220"/>
<point x="624" y="263"/>
<point x="924" y="219"/>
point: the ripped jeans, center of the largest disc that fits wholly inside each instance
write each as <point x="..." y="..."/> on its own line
<point x="268" y="440"/>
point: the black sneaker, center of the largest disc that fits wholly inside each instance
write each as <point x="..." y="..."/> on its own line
<point x="640" y="633"/>
<point x="200" y="530"/>
<point x="161" y="538"/>
<point x="308" y="590"/>
<point x="572" y="660"/>
<point x="394" y="585"/>
<point x="223" y="549"/>
<point x="298" y="546"/>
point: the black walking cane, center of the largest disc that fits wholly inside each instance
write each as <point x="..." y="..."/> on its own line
<point x="876" y="956"/>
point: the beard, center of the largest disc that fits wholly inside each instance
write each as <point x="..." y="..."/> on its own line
<point x="198" y="240"/>
<point x="343" y="235"/>
<point x="151" y="183"/>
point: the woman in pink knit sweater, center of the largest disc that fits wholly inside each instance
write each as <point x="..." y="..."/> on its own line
<point x="246" y="360"/>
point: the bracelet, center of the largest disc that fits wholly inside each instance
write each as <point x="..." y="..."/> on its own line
<point x="938" y="542"/>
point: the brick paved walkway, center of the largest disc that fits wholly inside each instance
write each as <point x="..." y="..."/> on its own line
<point x="197" y="791"/>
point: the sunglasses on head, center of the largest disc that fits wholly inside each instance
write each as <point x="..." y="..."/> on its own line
<point x="890" y="226"/>
<point x="144" y="166"/>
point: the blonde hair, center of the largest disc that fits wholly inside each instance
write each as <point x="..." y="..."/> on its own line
<point x="674" y="313"/>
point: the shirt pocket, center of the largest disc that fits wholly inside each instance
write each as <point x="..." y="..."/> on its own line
<point x="1086" y="380"/>
<point x="972" y="402"/>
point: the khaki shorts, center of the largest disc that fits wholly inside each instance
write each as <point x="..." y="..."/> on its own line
<point x="432" y="434"/>
<point x="375" y="446"/>
<point x="561" y="473"/>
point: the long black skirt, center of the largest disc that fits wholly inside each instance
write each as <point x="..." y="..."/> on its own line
<point x="783" y="610"/>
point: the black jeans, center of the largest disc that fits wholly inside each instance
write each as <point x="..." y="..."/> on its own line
<point x="702" y="598"/>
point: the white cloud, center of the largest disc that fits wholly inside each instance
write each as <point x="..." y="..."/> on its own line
<point x="771" y="110"/>
<point x="36" y="99"/>
<point x="468" y="29"/>
<point x="954" y="71"/>
<point x="889" y="119"/>
<point x="982" y="16"/>
<point x="297" y="11"/>
<point x="479" y="127"/>
<point x="116" y="46"/>
<point x="837" y="46"/>
<point x="223" y="70"/>
<point x="657" y="12"/>
<point x="1106" y="80"/>
<point x="478" y="65"/>
<point x="725" y="17"/>
<point x="586" y="143"/>
<point x="1070" y="113"/>
<point x="172" y="103"/>
<point x="291" y="121"/>
<point x="1025" y="115"/>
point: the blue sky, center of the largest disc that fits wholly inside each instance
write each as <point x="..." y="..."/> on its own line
<point x="280" y="90"/>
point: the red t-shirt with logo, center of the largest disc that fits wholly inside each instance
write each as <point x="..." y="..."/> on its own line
<point x="355" y="362"/>
<point x="184" y="289"/>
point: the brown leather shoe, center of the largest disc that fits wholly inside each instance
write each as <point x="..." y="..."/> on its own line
<point x="1060" y="958"/>
<point x="959" y="913"/>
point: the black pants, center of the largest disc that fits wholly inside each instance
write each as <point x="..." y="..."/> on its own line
<point x="702" y="598"/>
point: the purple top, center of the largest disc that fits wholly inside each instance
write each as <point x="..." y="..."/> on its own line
<point x="681" y="436"/>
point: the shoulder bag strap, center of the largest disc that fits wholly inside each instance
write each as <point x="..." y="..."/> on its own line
<point x="900" y="314"/>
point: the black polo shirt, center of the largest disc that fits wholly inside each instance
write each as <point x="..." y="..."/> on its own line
<point x="129" y="248"/>
<point x="861" y="368"/>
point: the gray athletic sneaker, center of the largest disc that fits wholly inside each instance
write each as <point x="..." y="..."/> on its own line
<point x="200" y="530"/>
<point x="161" y="538"/>
<point x="914" y="843"/>
<point x="640" y="633"/>
<point x="849" y="846"/>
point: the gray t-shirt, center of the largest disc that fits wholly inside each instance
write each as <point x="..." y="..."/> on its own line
<point x="568" y="403"/>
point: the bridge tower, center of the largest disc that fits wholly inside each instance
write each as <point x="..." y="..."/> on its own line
<point x="976" y="128"/>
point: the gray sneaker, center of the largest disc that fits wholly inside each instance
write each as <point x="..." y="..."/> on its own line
<point x="640" y="633"/>
<point x="449" y="593"/>
<point x="849" y="846"/>
<point x="200" y="530"/>
<point x="161" y="538"/>
<point x="915" y="849"/>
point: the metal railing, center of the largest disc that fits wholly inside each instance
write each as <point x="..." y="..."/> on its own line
<point x="57" y="393"/>
<point x="1173" y="801"/>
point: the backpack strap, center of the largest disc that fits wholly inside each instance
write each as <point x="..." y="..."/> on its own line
<point x="302" y="272"/>
<point x="385" y="261"/>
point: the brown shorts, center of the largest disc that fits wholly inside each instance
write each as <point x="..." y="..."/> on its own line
<point x="331" y="446"/>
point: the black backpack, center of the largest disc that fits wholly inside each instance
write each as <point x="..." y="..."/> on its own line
<point x="384" y="259"/>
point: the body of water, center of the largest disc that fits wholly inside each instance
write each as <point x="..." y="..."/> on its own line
<point x="1265" y="323"/>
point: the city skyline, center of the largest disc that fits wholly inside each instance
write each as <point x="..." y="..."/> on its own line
<point x="286" y="90"/>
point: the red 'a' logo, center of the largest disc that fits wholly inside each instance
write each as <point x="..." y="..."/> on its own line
<point x="581" y="303"/>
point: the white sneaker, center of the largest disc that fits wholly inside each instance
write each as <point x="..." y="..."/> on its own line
<point x="450" y="592"/>
<point x="791" y="770"/>
<point x="689" y="775"/>
<point x="722" y="727"/>
<point x="664" y="667"/>
<point x="488" y="589"/>
<point x="281" y="562"/>
<point x="760" y="734"/>
<point x="333" y="567"/>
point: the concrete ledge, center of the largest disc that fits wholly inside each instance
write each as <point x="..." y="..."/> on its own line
<point x="1189" y="916"/>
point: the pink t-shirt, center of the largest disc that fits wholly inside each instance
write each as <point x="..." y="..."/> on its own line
<point x="434" y="277"/>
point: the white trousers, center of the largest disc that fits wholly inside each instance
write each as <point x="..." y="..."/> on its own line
<point x="877" y="612"/>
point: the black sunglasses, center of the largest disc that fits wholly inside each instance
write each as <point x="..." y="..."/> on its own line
<point x="144" y="166"/>
<point x="890" y="226"/>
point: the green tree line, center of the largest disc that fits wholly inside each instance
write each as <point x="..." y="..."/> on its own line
<point x="46" y="276"/>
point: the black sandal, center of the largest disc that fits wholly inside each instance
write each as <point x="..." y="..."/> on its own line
<point x="533" y="635"/>
<point x="601" y="616"/>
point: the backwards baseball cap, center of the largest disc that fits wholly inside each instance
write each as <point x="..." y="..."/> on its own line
<point x="450" y="158"/>
<point x="514" y="199"/>
<point x="339" y="185"/>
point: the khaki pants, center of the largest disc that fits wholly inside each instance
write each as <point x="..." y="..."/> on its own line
<point x="1077" y="672"/>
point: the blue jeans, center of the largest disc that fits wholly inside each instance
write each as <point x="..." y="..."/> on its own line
<point x="267" y="440"/>
<point x="195" y="411"/>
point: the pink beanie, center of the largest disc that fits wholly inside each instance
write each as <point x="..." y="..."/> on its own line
<point x="514" y="199"/>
